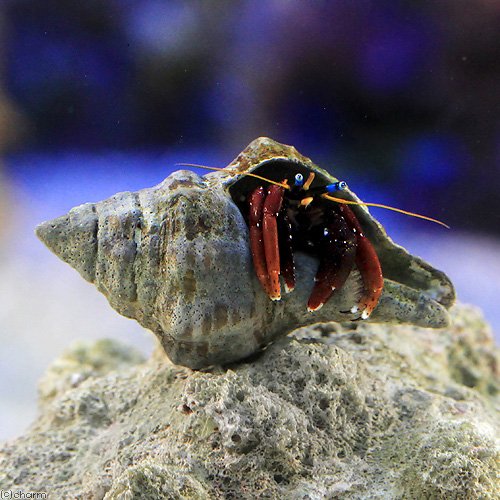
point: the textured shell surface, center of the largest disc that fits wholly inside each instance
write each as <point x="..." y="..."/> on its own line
<point x="176" y="257"/>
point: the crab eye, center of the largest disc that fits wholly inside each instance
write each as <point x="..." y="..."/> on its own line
<point x="336" y="186"/>
<point x="299" y="180"/>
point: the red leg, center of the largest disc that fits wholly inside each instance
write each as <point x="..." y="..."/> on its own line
<point x="256" y="203"/>
<point x="272" y="206"/>
<point x="368" y="265"/>
<point x="286" y="252"/>
<point x="336" y="261"/>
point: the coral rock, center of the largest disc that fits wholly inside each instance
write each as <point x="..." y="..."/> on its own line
<point x="357" y="412"/>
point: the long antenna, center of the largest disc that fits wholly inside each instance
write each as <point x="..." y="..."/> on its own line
<point x="327" y="196"/>
<point x="348" y="202"/>
<point x="283" y="184"/>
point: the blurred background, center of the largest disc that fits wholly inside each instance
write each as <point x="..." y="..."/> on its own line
<point x="400" y="99"/>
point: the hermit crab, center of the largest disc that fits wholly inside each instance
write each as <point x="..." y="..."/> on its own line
<point x="221" y="265"/>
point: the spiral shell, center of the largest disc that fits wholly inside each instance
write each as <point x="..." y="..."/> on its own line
<point x="176" y="257"/>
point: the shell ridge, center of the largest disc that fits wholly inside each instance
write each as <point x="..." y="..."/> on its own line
<point x="116" y="252"/>
<point x="151" y="202"/>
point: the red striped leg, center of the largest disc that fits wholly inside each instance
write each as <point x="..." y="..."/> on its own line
<point x="256" y="203"/>
<point x="368" y="265"/>
<point x="272" y="206"/>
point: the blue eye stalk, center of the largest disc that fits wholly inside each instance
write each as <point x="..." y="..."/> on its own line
<point x="329" y="189"/>
<point x="336" y="186"/>
<point x="299" y="180"/>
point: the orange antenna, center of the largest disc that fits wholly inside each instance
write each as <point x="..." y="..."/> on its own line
<point x="348" y="202"/>
<point x="306" y="186"/>
<point x="283" y="184"/>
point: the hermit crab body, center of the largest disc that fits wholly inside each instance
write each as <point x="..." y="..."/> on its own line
<point x="187" y="258"/>
<point x="299" y="218"/>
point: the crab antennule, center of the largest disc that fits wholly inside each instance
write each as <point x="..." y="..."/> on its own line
<point x="309" y="181"/>
<point x="306" y="201"/>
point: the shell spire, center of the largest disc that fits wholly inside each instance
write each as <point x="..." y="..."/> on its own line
<point x="73" y="238"/>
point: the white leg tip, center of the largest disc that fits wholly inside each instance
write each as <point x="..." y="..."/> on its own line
<point x="312" y="310"/>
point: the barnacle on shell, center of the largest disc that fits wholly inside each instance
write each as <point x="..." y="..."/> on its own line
<point x="176" y="257"/>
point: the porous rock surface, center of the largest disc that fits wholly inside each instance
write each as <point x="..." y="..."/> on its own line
<point x="331" y="412"/>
